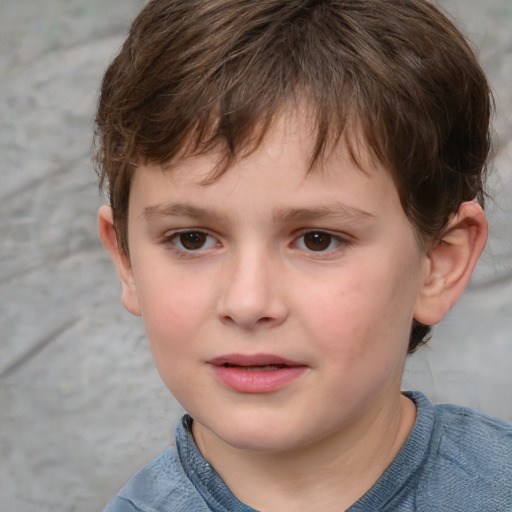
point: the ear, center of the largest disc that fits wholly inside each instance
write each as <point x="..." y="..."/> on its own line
<point x="451" y="262"/>
<point x="108" y="236"/>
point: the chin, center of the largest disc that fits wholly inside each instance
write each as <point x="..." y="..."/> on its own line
<point x="261" y="436"/>
<point x="262" y="444"/>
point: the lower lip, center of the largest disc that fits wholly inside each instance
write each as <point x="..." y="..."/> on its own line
<point x="257" y="381"/>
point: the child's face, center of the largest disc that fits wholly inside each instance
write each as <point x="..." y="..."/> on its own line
<point x="309" y="279"/>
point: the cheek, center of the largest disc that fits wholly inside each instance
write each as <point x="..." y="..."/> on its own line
<point x="174" y="308"/>
<point x="364" y="314"/>
<point x="173" y="316"/>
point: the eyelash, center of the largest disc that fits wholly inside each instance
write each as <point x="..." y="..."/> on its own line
<point x="339" y="241"/>
<point x="170" y="238"/>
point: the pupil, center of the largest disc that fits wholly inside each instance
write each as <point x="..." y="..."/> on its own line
<point x="192" y="240"/>
<point x="317" y="241"/>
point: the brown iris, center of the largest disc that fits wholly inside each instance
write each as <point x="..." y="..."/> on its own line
<point x="317" y="241"/>
<point x="193" y="240"/>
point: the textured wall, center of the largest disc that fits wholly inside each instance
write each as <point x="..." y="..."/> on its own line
<point x="81" y="406"/>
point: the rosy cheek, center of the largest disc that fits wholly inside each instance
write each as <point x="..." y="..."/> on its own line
<point x="346" y="321"/>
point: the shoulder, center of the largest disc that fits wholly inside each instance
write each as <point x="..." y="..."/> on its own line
<point x="473" y="437"/>
<point x="159" y="486"/>
<point x="470" y="461"/>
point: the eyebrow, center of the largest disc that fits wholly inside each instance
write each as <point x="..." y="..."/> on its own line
<point x="335" y="210"/>
<point x="181" y="210"/>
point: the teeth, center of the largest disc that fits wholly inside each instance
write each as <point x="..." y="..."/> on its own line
<point x="263" y="368"/>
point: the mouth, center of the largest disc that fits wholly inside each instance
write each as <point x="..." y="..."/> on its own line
<point x="256" y="368"/>
<point x="260" y="373"/>
<point x="254" y="362"/>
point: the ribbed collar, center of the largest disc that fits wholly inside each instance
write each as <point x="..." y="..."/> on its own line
<point x="202" y="475"/>
<point x="408" y="464"/>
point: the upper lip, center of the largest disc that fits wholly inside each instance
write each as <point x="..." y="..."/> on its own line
<point x="252" y="360"/>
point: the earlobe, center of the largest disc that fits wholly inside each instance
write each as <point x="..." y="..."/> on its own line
<point x="108" y="236"/>
<point x="451" y="262"/>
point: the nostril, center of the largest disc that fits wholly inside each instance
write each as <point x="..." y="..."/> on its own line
<point x="263" y="321"/>
<point x="251" y="305"/>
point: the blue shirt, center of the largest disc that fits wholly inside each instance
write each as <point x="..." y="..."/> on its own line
<point x="455" y="459"/>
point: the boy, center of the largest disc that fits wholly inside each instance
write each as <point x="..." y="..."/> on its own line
<point x="296" y="193"/>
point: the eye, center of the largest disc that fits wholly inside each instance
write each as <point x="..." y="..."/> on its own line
<point x="318" y="241"/>
<point x="188" y="241"/>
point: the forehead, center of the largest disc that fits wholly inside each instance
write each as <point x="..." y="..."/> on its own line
<point x="275" y="176"/>
<point x="293" y="129"/>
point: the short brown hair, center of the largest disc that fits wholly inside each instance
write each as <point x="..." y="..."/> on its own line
<point x="200" y="74"/>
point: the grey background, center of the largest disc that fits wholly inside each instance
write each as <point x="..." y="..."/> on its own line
<point x="81" y="405"/>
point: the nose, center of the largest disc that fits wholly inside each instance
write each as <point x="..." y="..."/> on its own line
<point x="253" y="291"/>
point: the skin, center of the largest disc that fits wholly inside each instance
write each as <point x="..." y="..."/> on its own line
<point x="253" y="284"/>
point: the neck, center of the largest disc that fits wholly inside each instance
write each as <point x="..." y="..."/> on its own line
<point x="330" y="474"/>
